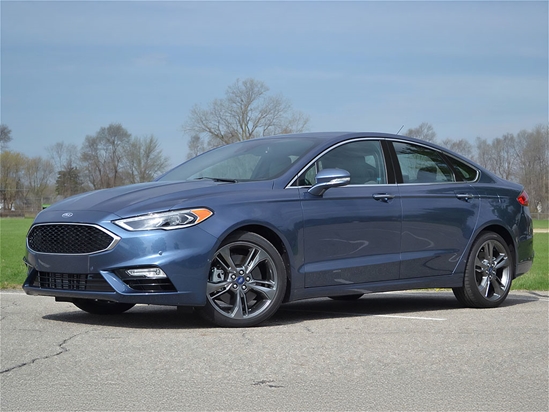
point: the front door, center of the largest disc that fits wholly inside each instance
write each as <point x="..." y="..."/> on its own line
<point x="352" y="233"/>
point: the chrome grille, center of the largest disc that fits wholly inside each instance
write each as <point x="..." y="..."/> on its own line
<point x="70" y="239"/>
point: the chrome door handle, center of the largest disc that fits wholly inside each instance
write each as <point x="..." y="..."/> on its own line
<point x="465" y="196"/>
<point x="383" y="197"/>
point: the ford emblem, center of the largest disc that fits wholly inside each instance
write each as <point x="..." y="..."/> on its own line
<point x="68" y="214"/>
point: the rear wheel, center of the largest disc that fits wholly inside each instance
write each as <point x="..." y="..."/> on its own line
<point x="488" y="274"/>
<point x="246" y="283"/>
<point x="102" y="307"/>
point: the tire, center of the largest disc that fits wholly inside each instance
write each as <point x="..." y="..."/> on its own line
<point x="246" y="283"/>
<point x="102" y="307"/>
<point x="356" y="296"/>
<point x="488" y="274"/>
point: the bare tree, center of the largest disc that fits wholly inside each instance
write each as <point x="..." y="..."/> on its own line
<point x="504" y="156"/>
<point x="246" y="112"/>
<point x="11" y="166"/>
<point x="36" y="177"/>
<point x="424" y="131"/>
<point x="532" y="151"/>
<point x="92" y="160"/>
<point x="523" y="158"/>
<point x="196" y="146"/>
<point x="5" y="137"/>
<point x="144" y="159"/>
<point x="64" y="155"/>
<point x="102" y="156"/>
<point x="461" y="146"/>
<point x="497" y="155"/>
<point x="484" y="153"/>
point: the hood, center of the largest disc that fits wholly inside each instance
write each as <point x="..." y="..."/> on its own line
<point x="137" y="199"/>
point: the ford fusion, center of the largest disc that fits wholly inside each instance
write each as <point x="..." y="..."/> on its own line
<point x="239" y="230"/>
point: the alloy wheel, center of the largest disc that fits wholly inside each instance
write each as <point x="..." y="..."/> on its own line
<point x="243" y="280"/>
<point x="492" y="270"/>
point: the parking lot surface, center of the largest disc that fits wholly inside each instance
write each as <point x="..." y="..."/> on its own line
<point x="416" y="351"/>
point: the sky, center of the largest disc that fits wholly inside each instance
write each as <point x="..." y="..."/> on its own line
<point x="469" y="69"/>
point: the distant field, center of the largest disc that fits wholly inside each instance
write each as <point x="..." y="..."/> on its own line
<point x="538" y="277"/>
<point x="13" y="271"/>
<point x="541" y="224"/>
<point x="12" y="250"/>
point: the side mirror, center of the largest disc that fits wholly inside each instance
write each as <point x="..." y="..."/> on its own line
<point x="327" y="178"/>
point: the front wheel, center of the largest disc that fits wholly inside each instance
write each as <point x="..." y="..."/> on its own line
<point x="246" y="283"/>
<point x="102" y="307"/>
<point x="488" y="274"/>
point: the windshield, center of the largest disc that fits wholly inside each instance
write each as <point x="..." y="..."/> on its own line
<point x="256" y="159"/>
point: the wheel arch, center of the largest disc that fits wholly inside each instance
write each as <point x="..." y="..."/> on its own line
<point x="507" y="237"/>
<point x="276" y="240"/>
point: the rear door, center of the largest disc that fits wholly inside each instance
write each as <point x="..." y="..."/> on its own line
<point x="439" y="211"/>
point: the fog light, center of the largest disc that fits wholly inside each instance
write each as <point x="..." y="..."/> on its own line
<point x="151" y="273"/>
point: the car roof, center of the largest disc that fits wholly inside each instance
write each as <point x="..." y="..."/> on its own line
<point x="332" y="137"/>
<point x="335" y="135"/>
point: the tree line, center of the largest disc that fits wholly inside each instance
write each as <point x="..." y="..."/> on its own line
<point x="113" y="157"/>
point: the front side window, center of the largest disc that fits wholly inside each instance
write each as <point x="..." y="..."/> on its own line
<point x="420" y="164"/>
<point x="362" y="159"/>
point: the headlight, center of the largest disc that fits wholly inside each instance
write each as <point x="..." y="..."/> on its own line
<point x="167" y="220"/>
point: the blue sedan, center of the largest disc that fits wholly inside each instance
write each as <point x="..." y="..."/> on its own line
<point x="241" y="229"/>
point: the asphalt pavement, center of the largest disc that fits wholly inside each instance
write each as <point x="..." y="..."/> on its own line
<point x="405" y="351"/>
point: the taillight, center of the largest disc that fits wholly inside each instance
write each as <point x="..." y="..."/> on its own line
<point x="523" y="198"/>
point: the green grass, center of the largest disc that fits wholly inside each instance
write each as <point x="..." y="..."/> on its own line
<point x="541" y="224"/>
<point x="13" y="271"/>
<point x="12" y="250"/>
<point x="537" y="278"/>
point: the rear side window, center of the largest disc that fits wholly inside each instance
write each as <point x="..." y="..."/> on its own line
<point x="420" y="164"/>
<point x="468" y="173"/>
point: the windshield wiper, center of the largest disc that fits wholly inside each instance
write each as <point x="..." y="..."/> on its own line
<point x="217" y="179"/>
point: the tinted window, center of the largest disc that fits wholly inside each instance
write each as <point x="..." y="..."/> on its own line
<point x="419" y="164"/>
<point x="468" y="173"/>
<point x="362" y="159"/>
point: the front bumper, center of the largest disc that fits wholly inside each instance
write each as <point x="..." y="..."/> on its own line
<point x="183" y="255"/>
